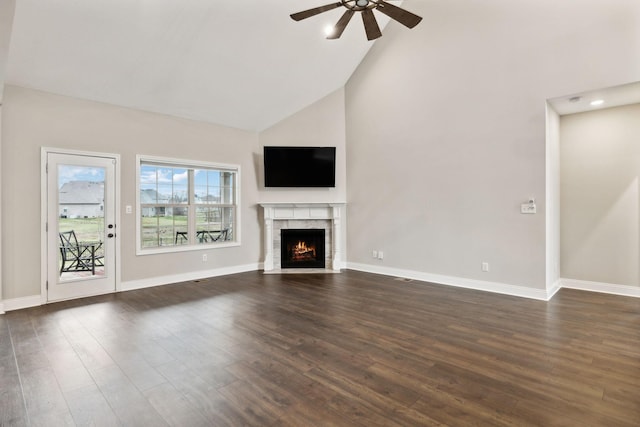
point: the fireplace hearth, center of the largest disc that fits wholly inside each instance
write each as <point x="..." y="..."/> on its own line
<point x="302" y="248"/>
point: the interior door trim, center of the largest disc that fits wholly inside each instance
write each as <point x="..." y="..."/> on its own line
<point x="44" y="152"/>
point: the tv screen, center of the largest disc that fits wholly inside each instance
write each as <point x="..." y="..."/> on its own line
<point x="300" y="166"/>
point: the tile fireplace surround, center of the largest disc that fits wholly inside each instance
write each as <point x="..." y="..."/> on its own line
<point x="278" y="216"/>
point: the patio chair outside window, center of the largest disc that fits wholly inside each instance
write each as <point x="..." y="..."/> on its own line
<point x="79" y="256"/>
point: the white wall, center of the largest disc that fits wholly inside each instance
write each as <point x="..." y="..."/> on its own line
<point x="552" y="189"/>
<point x="1" y="234"/>
<point x="7" y="9"/>
<point x="600" y="196"/>
<point x="320" y="124"/>
<point x="446" y="129"/>
<point x="34" y="119"/>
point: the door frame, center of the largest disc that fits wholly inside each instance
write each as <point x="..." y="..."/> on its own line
<point x="44" y="152"/>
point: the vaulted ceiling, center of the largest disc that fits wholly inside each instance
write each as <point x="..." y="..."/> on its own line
<point x="240" y="63"/>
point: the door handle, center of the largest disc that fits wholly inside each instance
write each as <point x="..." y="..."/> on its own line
<point x="110" y="235"/>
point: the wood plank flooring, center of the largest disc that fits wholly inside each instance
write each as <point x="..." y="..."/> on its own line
<point x="350" y="349"/>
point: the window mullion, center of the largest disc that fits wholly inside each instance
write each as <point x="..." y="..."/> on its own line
<point x="191" y="210"/>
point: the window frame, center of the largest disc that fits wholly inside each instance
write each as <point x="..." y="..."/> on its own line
<point x="191" y="205"/>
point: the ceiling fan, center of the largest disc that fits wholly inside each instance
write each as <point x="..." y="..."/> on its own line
<point x="365" y="7"/>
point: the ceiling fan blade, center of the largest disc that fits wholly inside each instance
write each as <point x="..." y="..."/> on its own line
<point x="312" y="12"/>
<point x="404" y="17"/>
<point x="341" y="25"/>
<point x="370" y="25"/>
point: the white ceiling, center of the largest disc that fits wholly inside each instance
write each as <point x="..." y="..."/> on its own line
<point x="240" y="63"/>
<point x="613" y="97"/>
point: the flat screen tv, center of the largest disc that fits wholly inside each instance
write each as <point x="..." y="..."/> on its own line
<point x="300" y="166"/>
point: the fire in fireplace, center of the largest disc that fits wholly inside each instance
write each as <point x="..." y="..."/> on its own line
<point x="302" y="248"/>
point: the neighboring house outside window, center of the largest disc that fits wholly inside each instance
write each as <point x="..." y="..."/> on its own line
<point x="81" y="199"/>
<point x="184" y="205"/>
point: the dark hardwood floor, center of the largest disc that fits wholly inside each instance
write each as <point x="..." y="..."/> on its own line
<point x="350" y="349"/>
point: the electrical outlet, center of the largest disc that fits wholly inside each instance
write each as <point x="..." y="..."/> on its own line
<point x="528" y="208"/>
<point x="128" y="209"/>
<point x="485" y="266"/>
<point x="204" y="257"/>
<point x="374" y="254"/>
<point x="380" y="255"/>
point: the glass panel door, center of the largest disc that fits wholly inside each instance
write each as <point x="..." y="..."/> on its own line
<point x="81" y="236"/>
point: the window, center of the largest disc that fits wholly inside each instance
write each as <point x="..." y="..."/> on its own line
<point x="184" y="205"/>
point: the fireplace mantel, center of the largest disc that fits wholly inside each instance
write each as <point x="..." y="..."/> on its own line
<point x="331" y="212"/>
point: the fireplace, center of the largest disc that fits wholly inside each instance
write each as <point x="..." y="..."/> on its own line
<point x="283" y="216"/>
<point x="302" y="248"/>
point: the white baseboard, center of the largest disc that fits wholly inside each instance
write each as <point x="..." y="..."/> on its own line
<point x="605" y="288"/>
<point x="553" y="289"/>
<point x="36" y="300"/>
<point x="480" y="285"/>
<point x="20" y="303"/>
<point x="460" y="282"/>
<point x="185" y="277"/>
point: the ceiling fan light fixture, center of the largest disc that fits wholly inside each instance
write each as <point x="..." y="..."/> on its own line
<point x="329" y="30"/>
<point x="365" y="8"/>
